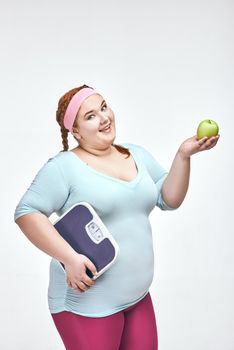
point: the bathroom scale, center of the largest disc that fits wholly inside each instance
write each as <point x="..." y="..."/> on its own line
<point x="84" y="230"/>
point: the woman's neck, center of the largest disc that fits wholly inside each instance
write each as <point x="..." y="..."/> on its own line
<point x="103" y="152"/>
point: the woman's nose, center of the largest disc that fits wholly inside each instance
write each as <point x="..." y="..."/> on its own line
<point x="103" y="117"/>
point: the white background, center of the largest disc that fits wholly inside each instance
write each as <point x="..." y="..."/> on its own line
<point x="162" y="66"/>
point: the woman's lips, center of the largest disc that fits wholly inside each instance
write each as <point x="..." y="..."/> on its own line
<point x="106" y="129"/>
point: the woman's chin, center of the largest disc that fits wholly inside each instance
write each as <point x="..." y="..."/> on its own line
<point x="108" y="136"/>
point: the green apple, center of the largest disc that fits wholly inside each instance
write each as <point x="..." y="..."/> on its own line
<point x="207" y="128"/>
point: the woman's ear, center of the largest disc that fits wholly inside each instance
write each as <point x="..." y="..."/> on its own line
<point x="75" y="133"/>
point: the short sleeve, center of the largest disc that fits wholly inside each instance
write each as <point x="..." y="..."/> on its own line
<point x="47" y="193"/>
<point x="157" y="173"/>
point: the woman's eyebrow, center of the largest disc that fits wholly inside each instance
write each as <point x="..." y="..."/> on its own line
<point x="93" y="110"/>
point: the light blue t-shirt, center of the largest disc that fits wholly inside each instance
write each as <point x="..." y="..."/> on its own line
<point x="124" y="207"/>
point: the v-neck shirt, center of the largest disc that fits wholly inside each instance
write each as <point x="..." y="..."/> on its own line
<point x="82" y="162"/>
<point x="124" y="207"/>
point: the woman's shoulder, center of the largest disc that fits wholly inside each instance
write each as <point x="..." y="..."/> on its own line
<point x="58" y="160"/>
<point x="140" y="151"/>
<point x="133" y="147"/>
<point x="61" y="157"/>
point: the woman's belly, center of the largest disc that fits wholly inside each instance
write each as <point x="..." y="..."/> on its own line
<point x="126" y="281"/>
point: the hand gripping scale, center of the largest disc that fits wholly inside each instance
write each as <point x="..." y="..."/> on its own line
<point x="83" y="229"/>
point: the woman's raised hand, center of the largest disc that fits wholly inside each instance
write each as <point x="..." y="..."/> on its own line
<point x="194" y="145"/>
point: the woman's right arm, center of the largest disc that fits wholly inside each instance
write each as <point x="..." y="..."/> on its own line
<point x="47" y="194"/>
<point x="41" y="232"/>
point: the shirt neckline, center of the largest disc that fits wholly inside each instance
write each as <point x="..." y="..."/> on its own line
<point x="124" y="182"/>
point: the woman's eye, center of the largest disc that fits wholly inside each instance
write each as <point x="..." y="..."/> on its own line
<point x="91" y="116"/>
<point x="104" y="107"/>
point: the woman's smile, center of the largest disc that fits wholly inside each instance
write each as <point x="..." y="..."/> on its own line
<point x="106" y="129"/>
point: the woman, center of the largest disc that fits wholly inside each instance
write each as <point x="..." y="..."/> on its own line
<point x="123" y="183"/>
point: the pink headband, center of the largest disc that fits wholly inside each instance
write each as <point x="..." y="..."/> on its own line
<point x="74" y="106"/>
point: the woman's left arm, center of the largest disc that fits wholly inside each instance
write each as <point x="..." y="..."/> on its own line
<point x="176" y="183"/>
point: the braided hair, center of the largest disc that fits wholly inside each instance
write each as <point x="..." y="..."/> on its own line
<point x="60" y="113"/>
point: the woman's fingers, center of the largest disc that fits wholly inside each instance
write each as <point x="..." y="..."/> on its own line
<point x="81" y="285"/>
<point x="77" y="277"/>
<point x="75" y="286"/>
<point x="213" y="142"/>
<point x="90" y="266"/>
<point x="202" y="141"/>
<point x="88" y="281"/>
<point x="207" y="143"/>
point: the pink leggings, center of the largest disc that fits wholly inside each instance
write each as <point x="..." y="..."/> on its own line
<point x="131" y="329"/>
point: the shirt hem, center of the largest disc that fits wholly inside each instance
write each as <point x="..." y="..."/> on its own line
<point x="100" y="314"/>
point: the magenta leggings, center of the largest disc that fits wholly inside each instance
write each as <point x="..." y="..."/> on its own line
<point x="131" y="329"/>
